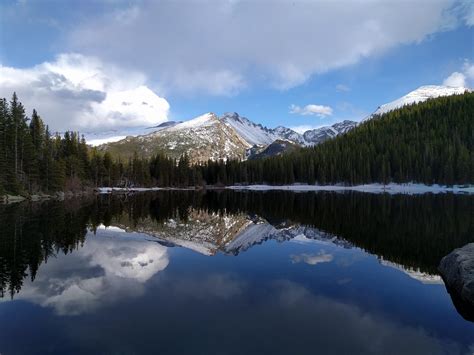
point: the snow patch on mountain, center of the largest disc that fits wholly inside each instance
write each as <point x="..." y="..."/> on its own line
<point x="252" y="133"/>
<point x="258" y="135"/>
<point x="319" y="135"/>
<point x="421" y="94"/>
<point x="207" y="119"/>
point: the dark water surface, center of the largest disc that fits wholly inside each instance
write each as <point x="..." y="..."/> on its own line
<point x="232" y="273"/>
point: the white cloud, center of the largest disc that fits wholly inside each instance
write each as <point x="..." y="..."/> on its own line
<point x="342" y="88"/>
<point x="220" y="83"/>
<point x="461" y="79"/>
<point x="456" y="79"/>
<point x="318" y="110"/>
<point x="220" y="47"/>
<point x="468" y="69"/>
<point x="83" y="93"/>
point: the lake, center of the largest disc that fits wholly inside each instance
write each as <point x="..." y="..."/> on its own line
<point x="229" y="272"/>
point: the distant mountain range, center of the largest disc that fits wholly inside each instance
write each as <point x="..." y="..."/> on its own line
<point x="231" y="136"/>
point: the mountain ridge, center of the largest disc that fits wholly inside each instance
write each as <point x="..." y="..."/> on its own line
<point x="232" y="136"/>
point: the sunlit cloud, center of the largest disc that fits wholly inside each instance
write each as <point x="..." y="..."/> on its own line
<point x="463" y="78"/>
<point x="83" y="93"/>
<point x="311" y="109"/>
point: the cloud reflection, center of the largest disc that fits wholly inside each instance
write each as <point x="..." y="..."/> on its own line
<point x="343" y="328"/>
<point x="312" y="259"/>
<point x="108" y="268"/>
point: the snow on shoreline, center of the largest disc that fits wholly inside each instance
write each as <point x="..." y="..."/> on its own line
<point x="108" y="190"/>
<point x="392" y="188"/>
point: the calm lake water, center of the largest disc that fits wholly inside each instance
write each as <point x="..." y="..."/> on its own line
<point x="233" y="273"/>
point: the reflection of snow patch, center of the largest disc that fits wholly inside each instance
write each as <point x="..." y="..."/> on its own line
<point x="416" y="274"/>
<point x="111" y="228"/>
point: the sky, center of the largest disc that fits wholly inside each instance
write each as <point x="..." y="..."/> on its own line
<point x="116" y="66"/>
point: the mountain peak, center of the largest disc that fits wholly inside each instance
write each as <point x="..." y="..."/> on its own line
<point x="420" y="94"/>
<point x="199" y="121"/>
<point x="252" y="133"/>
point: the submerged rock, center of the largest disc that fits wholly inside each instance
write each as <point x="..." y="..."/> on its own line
<point x="457" y="271"/>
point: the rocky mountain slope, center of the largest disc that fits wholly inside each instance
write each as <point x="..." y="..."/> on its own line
<point x="319" y="135"/>
<point x="203" y="138"/>
<point x="277" y="147"/>
<point x="231" y="136"/>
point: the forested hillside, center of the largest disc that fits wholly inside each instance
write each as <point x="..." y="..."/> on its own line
<point x="430" y="142"/>
<point x="33" y="160"/>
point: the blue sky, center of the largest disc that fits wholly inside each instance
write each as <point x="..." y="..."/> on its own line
<point x="102" y="65"/>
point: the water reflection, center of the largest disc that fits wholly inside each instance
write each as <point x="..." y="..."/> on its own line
<point x="158" y="272"/>
<point x="104" y="270"/>
<point x="408" y="232"/>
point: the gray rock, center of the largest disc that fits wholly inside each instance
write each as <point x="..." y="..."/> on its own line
<point x="457" y="270"/>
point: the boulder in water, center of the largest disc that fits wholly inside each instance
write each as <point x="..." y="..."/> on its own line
<point x="457" y="271"/>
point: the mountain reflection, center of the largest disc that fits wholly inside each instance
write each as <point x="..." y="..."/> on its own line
<point x="408" y="232"/>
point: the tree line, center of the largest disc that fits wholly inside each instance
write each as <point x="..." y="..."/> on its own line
<point x="429" y="142"/>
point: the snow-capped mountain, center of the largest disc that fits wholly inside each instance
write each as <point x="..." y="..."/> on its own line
<point x="256" y="134"/>
<point x="228" y="137"/>
<point x="203" y="138"/>
<point x="319" y="135"/>
<point x="421" y="94"/>
<point x="210" y="137"/>
<point x="252" y="133"/>
<point x="285" y="133"/>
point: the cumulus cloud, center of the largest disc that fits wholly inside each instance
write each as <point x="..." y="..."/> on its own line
<point x="465" y="78"/>
<point x="83" y="93"/>
<point x="217" y="47"/>
<point x="311" y="109"/>
<point x="456" y="79"/>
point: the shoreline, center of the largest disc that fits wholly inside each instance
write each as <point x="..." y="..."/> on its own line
<point x="61" y="195"/>
<point x="392" y="188"/>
